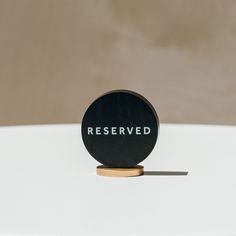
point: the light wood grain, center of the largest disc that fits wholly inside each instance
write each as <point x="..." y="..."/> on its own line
<point x="120" y="172"/>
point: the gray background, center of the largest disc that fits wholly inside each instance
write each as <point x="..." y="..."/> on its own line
<point x="57" y="56"/>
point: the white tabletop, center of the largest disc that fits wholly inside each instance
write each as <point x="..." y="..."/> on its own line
<point x="48" y="185"/>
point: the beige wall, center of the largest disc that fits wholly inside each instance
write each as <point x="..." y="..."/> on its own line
<point x="56" y="56"/>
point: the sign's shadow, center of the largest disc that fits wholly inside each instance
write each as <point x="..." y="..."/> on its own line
<point x="164" y="173"/>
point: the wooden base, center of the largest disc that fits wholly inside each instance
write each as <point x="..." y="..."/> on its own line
<point x="120" y="172"/>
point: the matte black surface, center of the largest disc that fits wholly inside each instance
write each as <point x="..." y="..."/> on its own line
<point x="121" y="148"/>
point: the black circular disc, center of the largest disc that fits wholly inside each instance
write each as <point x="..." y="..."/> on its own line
<point x="120" y="128"/>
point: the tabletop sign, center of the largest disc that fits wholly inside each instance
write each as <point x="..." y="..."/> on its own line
<point x="120" y="130"/>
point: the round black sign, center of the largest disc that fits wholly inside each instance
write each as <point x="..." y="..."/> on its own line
<point x="120" y="128"/>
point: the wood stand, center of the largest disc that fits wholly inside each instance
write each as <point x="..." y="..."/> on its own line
<point x="120" y="172"/>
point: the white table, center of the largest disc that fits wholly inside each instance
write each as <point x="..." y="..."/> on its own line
<point x="48" y="185"/>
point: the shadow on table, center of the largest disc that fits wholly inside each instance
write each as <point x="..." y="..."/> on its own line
<point x="165" y="173"/>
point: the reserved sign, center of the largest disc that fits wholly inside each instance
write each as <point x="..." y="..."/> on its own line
<point x="120" y="129"/>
